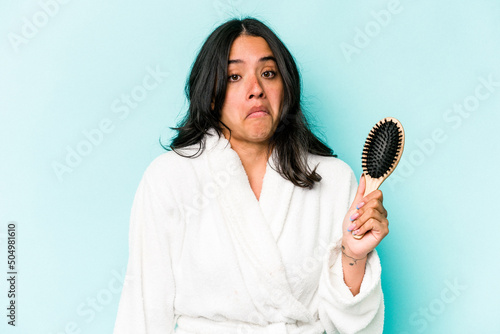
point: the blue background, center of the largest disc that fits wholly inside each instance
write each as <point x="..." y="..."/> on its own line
<point x="65" y="66"/>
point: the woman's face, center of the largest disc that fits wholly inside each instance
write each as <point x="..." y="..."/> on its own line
<point x="254" y="94"/>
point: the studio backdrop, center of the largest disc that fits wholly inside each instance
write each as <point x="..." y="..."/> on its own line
<point x="88" y="89"/>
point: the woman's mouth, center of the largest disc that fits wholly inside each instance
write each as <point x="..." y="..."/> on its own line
<point x="257" y="114"/>
<point x="258" y="111"/>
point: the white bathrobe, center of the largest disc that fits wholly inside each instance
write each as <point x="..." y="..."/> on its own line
<point x="205" y="256"/>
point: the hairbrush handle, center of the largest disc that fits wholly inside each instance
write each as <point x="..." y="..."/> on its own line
<point x="371" y="185"/>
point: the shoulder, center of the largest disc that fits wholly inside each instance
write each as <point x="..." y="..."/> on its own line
<point x="337" y="178"/>
<point x="165" y="162"/>
<point x="336" y="175"/>
<point x="330" y="167"/>
<point x="170" y="166"/>
<point x="168" y="178"/>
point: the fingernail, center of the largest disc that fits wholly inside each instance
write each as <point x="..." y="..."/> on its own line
<point x="354" y="216"/>
<point x="355" y="232"/>
<point x="360" y="205"/>
<point x="351" y="227"/>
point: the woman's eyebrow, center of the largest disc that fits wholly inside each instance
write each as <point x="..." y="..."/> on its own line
<point x="263" y="59"/>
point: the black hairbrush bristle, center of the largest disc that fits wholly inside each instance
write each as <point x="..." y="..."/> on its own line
<point x="382" y="148"/>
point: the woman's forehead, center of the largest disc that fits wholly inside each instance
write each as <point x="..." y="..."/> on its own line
<point x="250" y="48"/>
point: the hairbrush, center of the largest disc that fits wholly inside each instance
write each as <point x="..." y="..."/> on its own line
<point x="381" y="154"/>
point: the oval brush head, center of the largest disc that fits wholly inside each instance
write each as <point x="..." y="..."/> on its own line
<point x="381" y="153"/>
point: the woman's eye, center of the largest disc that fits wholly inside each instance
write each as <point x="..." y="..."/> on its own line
<point x="233" y="77"/>
<point x="268" y="74"/>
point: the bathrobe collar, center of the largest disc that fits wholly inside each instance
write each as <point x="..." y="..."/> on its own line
<point x="255" y="227"/>
<point x="276" y="192"/>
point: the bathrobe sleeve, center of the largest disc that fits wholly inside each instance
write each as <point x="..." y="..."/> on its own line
<point x="146" y="304"/>
<point x="340" y="311"/>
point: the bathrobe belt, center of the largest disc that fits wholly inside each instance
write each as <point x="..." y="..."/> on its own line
<point x="190" y="325"/>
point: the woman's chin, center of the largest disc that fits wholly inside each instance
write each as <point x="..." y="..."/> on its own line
<point x="261" y="134"/>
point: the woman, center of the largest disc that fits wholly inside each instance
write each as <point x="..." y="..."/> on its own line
<point x="246" y="226"/>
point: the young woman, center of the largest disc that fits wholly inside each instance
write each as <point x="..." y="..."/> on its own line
<point x="246" y="225"/>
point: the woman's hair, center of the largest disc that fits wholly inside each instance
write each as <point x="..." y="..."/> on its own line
<point x="293" y="138"/>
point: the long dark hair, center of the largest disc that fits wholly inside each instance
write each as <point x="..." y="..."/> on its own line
<point x="293" y="138"/>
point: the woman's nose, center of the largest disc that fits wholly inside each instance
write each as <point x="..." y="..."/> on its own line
<point x="255" y="89"/>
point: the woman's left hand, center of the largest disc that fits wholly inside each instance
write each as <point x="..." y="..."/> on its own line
<point x="367" y="216"/>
